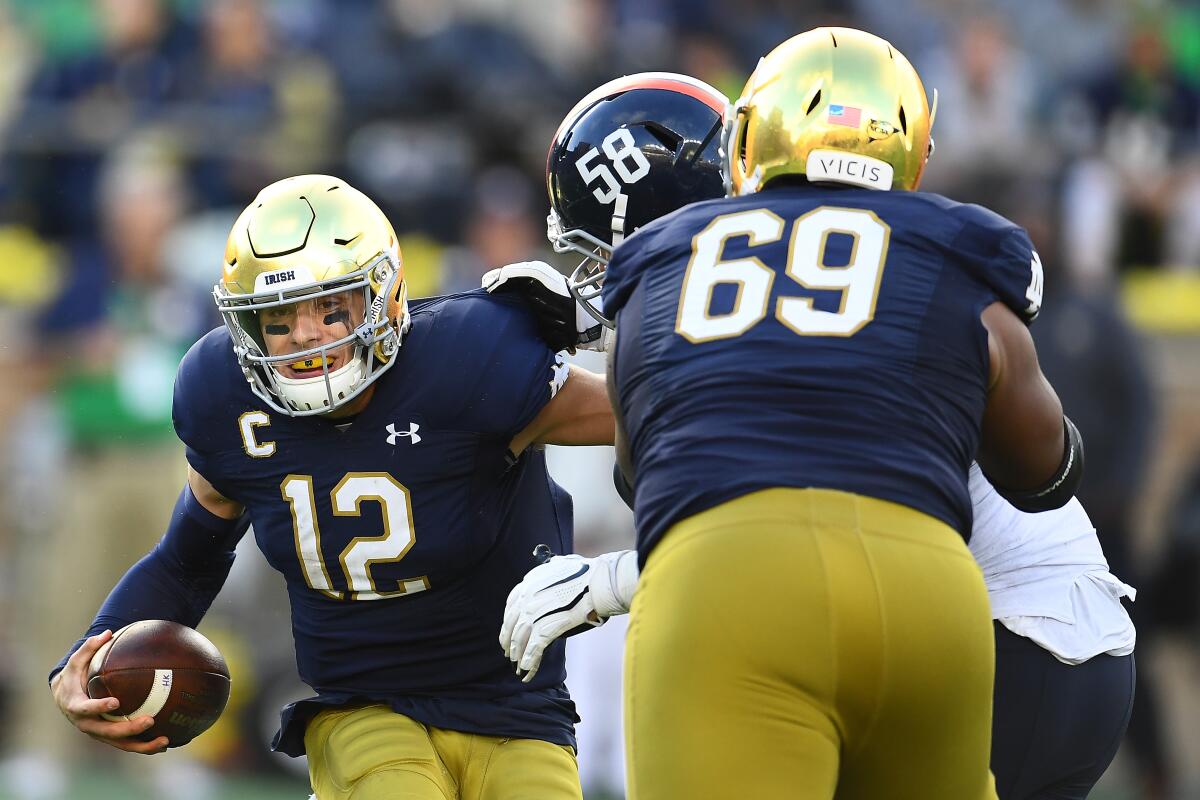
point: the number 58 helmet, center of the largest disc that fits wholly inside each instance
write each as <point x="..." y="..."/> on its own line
<point x="632" y="150"/>
<point x="313" y="241"/>
<point x="831" y="104"/>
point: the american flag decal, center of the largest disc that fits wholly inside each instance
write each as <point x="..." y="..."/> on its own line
<point x="845" y="115"/>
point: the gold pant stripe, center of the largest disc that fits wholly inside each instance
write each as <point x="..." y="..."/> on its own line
<point x="811" y="644"/>
<point x="373" y="753"/>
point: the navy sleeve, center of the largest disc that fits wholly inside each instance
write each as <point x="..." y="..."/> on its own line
<point x="195" y="384"/>
<point x="1002" y="256"/>
<point x="203" y="373"/>
<point x="507" y="374"/>
<point x="178" y="579"/>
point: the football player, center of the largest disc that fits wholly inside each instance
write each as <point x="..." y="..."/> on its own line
<point x="1064" y="686"/>
<point x="1055" y="603"/>
<point x="1064" y="647"/>
<point x="633" y="149"/>
<point x="804" y="372"/>
<point x="387" y="455"/>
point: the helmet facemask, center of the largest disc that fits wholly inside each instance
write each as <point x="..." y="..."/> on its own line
<point x="366" y="306"/>
<point x="631" y="151"/>
<point x="311" y="249"/>
<point x="587" y="279"/>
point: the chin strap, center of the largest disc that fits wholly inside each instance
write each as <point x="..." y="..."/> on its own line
<point x="618" y="220"/>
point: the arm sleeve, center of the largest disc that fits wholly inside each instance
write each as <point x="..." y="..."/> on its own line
<point x="179" y="578"/>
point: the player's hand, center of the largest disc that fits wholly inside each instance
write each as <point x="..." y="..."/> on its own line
<point x="70" y="693"/>
<point x="563" y="322"/>
<point x="563" y="596"/>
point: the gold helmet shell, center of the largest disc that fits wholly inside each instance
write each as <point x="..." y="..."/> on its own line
<point x="301" y="238"/>
<point x="841" y="93"/>
<point x="318" y="223"/>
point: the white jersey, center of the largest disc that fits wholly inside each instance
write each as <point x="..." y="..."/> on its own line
<point x="1047" y="577"/>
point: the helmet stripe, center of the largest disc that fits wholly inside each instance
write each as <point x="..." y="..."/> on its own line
<point x="671" y="81"/>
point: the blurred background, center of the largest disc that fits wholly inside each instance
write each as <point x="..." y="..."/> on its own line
<point x="133" y="131"/>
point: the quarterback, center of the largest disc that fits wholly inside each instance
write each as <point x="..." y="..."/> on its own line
<point x="803" y="373"/>
<point x="385" y="452"/>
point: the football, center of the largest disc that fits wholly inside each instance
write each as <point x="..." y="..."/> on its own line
<point x="166" y="670"/>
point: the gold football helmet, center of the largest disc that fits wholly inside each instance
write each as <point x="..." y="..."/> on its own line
<point x="830" y="104"/>
<point x="312" y="244"/>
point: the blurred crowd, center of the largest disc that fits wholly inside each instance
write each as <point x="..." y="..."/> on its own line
<point x="133" y="131"/>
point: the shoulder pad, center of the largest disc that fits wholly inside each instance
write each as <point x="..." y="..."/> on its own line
<point x="207" y="380"/>
<point x="466" y="328"/>
<point x="476" y="309"/>
<point x="1001" y="254"/>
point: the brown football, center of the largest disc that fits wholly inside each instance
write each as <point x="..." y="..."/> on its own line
<point x="166" y="670"/>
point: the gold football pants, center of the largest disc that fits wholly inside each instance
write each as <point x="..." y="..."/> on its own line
<point x="373" y="753"/>
<point x="809" y="644"/>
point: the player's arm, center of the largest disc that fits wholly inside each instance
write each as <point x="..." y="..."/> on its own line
<point x="578" y="414"/>
<point x="1029" y="451"/>
<point x="561" y="595"/>
<point x="570" y="592"/>
<point x="177" y="580"/>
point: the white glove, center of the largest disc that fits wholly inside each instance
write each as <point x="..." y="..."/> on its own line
<point x="562" y="320"/>
<point x="563" y="596"/>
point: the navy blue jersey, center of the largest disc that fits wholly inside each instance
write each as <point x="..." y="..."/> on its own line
<point x="823" y="337"/>
<point x="401" y="534"/>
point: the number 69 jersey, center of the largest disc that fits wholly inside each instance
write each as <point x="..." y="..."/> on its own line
<point x="810" y="337"/>
<point x="400" y="534"/>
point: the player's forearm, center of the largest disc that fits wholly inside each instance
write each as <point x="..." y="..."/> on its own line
<point x="578" y="415"/>
<point x="592" y="428"/>
<point x="178" y="579"/>
<point x="152" y="589"/>
<point x="591" y="421"/>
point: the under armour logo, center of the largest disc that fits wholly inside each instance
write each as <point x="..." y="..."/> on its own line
<point x="411" y="433"/>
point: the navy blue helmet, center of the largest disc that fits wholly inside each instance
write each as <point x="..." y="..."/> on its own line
<point x="629" y="152"/>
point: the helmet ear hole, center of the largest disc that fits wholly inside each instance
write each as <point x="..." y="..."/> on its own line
<point x="396" y="301"/>
<point x="816" y="100"/>
<point x="903" y="122"/>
